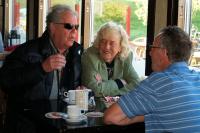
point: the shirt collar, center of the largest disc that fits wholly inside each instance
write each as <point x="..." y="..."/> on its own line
<point x="53" y="46"/>
<point x="176" y="65"/>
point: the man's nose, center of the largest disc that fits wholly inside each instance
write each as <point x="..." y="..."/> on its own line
<point x="73" y="32"/>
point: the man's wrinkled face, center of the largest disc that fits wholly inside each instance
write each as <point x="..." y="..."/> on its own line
<point x="64" y="32"/>
<point x="109" y="45"/>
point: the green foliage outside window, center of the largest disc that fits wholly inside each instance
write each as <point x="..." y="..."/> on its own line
<point x="196" y="20"/>
<point x="115" y="10"/>
<point x="196" y="14"/>
<point x="111" y="12"/>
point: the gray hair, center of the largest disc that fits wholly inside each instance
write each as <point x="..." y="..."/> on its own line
<point x="54" y="14"/>
<point x="177" y="43"/>
<point x="124" y="43"/>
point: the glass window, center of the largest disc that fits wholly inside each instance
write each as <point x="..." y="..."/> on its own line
<point x="189" y="20"/>
<point x="17" y="22"/>
<point x="75" y="4"/>
<point x="195" y="33"/>
<point x="132" y="14"/>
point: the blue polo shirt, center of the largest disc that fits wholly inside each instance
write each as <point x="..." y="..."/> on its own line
<point x="170" y="100"/>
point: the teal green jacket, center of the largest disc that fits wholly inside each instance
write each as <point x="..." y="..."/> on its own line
<point x="93" y="65"/>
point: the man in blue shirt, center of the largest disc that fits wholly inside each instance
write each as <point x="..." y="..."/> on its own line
<point x="169" y="99"/>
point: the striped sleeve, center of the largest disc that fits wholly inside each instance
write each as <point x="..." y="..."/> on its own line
<point x="139" y="101"/>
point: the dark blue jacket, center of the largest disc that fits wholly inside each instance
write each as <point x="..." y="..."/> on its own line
<point x="23" y="78"/>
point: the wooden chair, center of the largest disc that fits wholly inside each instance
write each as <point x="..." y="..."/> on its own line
<point x="139" y="48"/>
<point x="3" y="101"/>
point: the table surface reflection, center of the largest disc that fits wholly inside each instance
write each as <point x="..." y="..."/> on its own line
<point x="32" y="120"/>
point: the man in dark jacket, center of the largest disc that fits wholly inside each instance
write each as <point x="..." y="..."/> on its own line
<point x="44" y="67"/>
<point x="41" y="69"/>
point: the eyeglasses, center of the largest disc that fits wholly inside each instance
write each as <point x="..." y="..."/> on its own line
<point x="69" y="26"/>
<point x="152" y="46"/>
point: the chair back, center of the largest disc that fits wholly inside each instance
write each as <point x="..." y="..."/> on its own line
<point x="1" y="43"/>
<point x="3" y="101"/>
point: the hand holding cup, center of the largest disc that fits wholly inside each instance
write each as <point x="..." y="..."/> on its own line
<point x="54" y="62"/>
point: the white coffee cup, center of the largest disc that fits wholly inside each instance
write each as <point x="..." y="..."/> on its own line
<point x="71" y="95"/>
<point x="82" y="99"/>
<point x="73" y="111"/>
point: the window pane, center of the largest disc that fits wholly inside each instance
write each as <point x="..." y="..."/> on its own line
<point x="189" y="20"/>
<point x="75" y="4"/>
<point x="195" y="33"/>
<point x="17" y="23"/>
<point x="132" y="14"/>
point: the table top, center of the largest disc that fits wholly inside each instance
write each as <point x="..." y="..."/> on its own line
<point x="32" y="118"/>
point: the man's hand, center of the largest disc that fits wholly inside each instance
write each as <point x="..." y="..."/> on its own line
<point x="81" y="87"/>
<point x="115" y="115"/>
<point x="54" y="62"/>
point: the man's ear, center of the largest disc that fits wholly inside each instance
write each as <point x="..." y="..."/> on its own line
<point x="52" y="27"/>
<point x="166" y="53"/>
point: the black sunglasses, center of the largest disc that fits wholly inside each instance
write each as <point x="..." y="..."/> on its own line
<point x="69" y="26"/>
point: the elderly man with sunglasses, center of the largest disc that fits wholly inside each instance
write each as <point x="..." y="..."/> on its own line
<point x="169" y="99"/>
<point x="45" y="67"/>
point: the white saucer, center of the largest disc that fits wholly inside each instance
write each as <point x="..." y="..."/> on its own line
<point x="81" y="119"/>
<point x="67" y="101"/>
<point x="56" y="115"/>
<point x="94" y="114"/>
